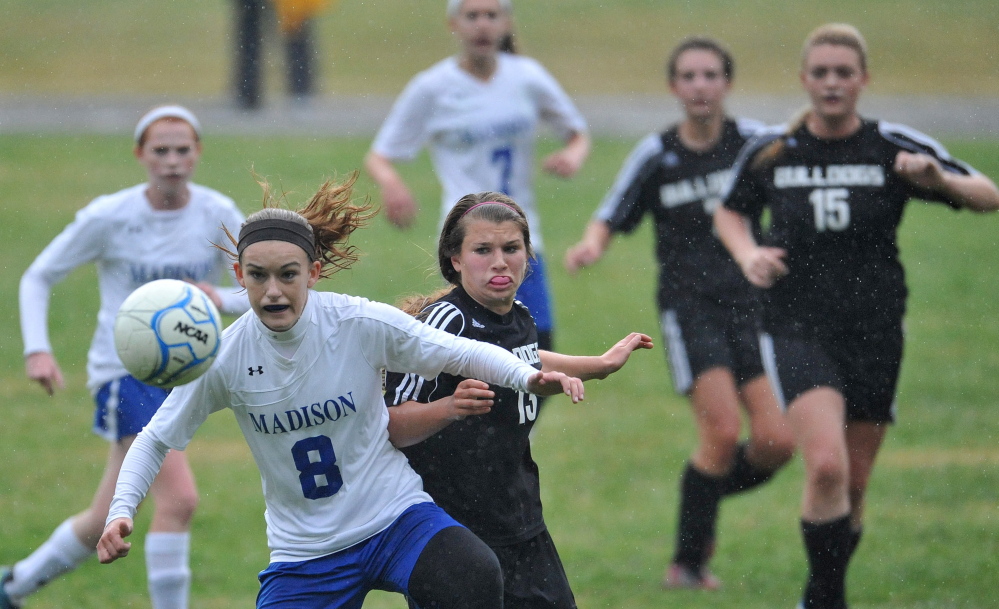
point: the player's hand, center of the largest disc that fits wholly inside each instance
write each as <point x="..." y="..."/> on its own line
<point x="583" y="254"/>
<point x="400" y="206"/>
<point x="42" y="368"/>
<point x="471" y="398"/>
<point x="563" y="163"/>
<point x="554" y="383"/>
<point x="763" y="266"/>
<point x="920" y="170"/>
<point x="211" y="293"/>
<point x="112" y="544"/>
<point x="617" y="356"/>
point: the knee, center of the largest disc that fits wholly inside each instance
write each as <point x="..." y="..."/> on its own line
<point x="827" y="475"/>
<point x="179" y="507"/>
<point x="774" y="451"/>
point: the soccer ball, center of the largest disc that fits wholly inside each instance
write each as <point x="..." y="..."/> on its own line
<point x="167" y="333"/>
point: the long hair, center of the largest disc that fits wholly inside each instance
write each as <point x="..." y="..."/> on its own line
<point x="489" y="206"/>
<point x="332" y="215"/>
<point x="836" y="34"/>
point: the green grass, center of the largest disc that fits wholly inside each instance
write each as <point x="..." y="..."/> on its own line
<point x="609" y="466"/>
<point x="183" y="47"/>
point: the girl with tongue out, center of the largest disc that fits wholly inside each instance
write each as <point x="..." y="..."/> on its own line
<point x="479" y="468"/>
<point x="302" y="374"/>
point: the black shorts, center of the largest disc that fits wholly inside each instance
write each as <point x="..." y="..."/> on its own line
<point x="533" y="576"/>
<point x="701" y="334"/>
<point x="862" y="366"/>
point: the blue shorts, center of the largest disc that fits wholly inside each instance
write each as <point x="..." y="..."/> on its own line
<point x="534" y="294"/>
<point x="382" y="562"/>
<point x="124" y="406"/>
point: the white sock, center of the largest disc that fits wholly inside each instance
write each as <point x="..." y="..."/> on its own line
<point x="61" y="553"/>
<point x="168" y="570"/>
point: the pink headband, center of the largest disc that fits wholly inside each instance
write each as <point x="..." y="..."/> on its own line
<point x="490" y="203"/>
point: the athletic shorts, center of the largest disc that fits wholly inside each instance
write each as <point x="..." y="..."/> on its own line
<point x="534" y="295"/>
<point x="342" y="579"/>
<point x="700" y="334"/>
<point x="533" y="576"/>
<point x="862" y="366"/>
<point x="124" y="406"/>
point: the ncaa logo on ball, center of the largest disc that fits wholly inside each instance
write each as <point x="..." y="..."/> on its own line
<point x="167" y="333"/>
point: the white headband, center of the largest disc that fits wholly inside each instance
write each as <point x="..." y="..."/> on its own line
<point x="453" y="6"/>
<point x="166" y="112"/>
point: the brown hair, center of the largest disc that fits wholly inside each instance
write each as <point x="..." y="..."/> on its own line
<point x="489" y="206"/>
<point x="332" y="215"/>
<point x="701" y="43"/>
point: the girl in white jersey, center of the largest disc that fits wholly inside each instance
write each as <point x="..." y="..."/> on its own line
<point x="302" y="374"/>
<point x="478" y="113"/>
<point x="163" y="228"/>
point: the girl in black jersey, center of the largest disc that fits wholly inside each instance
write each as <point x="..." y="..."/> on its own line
<point x="708" y="310"/>
<point x="479" y="468"/>
<point x="835" y="185"/>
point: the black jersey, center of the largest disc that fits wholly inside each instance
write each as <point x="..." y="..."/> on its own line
<point x="480" y="469"/>
<point x="835" y="206"/>
<point x="681" y="188"/>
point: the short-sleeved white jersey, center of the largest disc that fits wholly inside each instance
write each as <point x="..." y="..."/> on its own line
<point x="131" y="244"/>
<point x="481" y="134"/>
<point x="317" y="424"/>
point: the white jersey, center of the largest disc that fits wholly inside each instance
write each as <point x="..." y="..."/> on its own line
<point x="481" y="135"/>
<point x="316" y="424"/>
<point x="131" y="244"/>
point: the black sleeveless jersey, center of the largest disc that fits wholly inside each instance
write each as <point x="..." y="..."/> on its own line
<point x="835" y="206"/>
<point x="480" y="469"/>
<point x="680" y="189"/>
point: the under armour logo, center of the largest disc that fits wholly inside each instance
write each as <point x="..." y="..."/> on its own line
<point x="477" y="324"/>
<point x="257" y="370"/>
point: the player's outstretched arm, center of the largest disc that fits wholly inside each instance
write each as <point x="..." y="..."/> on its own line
<point x="588" y="367"/>
<point x="413" y="422"/>
<point x="554" y="383"/>
<point x="590" y="248"/>
<point x="112" y="544"/>
<point x="977" y="192"/>
<point x="400" y="206"/>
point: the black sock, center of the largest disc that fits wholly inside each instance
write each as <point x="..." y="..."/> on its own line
<point x="828" y="546"/>
<point x="699" y="498"/>
<point x="744" y="475"/>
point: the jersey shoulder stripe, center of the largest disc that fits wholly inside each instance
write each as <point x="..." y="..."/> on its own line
<point x="759" y="141"/>
<point x="637" y="167"/>
<point x="748" y="127"/>
<point x="445" y="316"/>
<point x="441" y="315"/>
<point x="912" y="140"/>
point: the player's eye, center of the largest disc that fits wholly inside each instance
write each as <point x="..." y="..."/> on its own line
<point x="184" y="150"/>
<point x="160" y="150"/>
<point x="512" y="249"/>
<point x="712" y="75"/>
<point x="845" y="72"/>
<point x="819" y="73"/>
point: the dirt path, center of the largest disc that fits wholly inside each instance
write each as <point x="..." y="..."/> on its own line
<point x="625" y="116"/>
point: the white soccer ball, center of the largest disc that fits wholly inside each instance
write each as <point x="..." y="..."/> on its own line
<point x="167" y="333"/>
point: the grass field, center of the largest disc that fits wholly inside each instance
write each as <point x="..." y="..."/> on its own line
<point x="183" y="47"/>
<point x="609" y="466"/>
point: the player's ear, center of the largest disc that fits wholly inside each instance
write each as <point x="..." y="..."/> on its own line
<point x="456" y="263"/>
<point x="239" y="274"/>
<point x="314" y="269"/>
